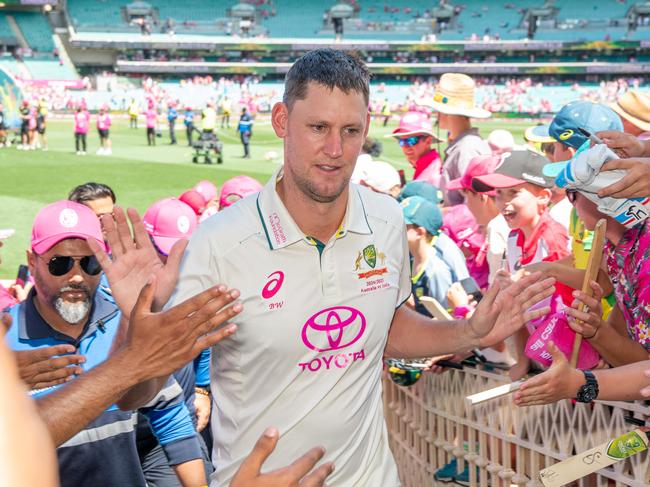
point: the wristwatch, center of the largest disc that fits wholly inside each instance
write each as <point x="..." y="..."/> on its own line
<point x="589" y="391"/>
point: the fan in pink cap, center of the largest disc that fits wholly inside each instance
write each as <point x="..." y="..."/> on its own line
<point x="237" y="188"/>
<point x="194" y="200"/>
<point x="478" y="166"/>
<point x="62" y="220"/>
<point x="168" y="221"/>
<point x="415" y="136"/>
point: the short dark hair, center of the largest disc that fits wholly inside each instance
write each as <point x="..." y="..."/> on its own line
<point x="91" y="192"/>
<point x="328" y="67"/>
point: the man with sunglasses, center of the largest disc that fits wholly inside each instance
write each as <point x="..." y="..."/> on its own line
<point x="65" y="309"/>
<point x="415" y="136"/>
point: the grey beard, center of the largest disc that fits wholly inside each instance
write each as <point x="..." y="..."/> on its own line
<point x="72" y="313"/>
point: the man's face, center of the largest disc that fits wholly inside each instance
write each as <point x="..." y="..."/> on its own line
<point x="101" y="206"/>
<point x="70" y="294"/>
<point x="323" y="135"/>
<point x="518" y="205"/>
<point x="414" y="152"/>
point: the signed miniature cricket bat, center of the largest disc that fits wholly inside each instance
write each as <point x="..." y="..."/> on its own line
<point x="602" y="456"/>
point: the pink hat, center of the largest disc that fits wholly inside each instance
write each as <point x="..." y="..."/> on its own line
<point x="62" y="220"/>
<point x="194" y="200"/>
<point x="207" y="189"/>
<point x="237" y="188"/>
<point x="478" y="166"/>
<point x="167" y="221"/>
<point x="414" y="123"/>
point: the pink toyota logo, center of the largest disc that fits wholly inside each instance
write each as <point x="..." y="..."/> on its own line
<point x="333" y="328"/>
<point x="273" y="286"/>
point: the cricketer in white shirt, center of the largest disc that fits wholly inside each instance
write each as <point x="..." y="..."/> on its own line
<point x="307" y="356"/>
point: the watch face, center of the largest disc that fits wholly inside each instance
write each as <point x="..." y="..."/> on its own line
<point x="587" y="393"/>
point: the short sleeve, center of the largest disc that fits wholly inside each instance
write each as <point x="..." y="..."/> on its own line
<point x="199" y="267"/>
<point x="405" y="273"/>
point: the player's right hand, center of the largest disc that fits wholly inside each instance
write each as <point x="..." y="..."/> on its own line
<point x="300" y="473"/>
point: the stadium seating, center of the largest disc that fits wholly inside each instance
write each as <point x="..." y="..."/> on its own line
<point x="36" y="29"/>
<point x="5" y="29"/>
<point x="47" y="68"/>
<point x="391" y="20"/>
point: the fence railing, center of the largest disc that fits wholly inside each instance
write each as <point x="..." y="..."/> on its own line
<point x="429" y="424"/>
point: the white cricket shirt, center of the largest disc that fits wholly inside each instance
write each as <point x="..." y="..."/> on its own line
<point x="307" y="355"/>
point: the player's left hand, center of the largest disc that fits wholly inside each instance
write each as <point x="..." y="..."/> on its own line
<point x="502" y="312"/>
<point x="134" y="260"/>
<point x="560" y="381"/>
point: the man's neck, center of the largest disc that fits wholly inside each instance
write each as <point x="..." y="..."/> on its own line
<point x="316" y="220"/>
<point x="52" y="318"/>
<point x="458" y="126"/>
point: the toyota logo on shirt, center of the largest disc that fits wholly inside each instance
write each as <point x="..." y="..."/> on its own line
<point x="333" y="328"/>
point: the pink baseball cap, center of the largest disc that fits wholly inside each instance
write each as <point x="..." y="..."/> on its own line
<point x="194" y="200"/>
<point x="414" y="123"/>
<point x="237" y="188"/>
<point x="167" y="221"/>
<point x="207" y="190"/>
<point x="478" y="166"/>
<point x="62" y="220"/>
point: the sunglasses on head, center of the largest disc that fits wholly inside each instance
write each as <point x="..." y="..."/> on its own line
<point x="409" y="141"/>
<point x="60" y="265"/>
<point x="571" y="195"/>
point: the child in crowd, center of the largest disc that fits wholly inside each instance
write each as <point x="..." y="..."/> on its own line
<point x="522" y="196"/>
<point x="437" y="261"/>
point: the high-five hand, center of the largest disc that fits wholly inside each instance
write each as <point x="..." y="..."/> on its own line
<point x="502" y="312"/>
<point x="134" y="260"/>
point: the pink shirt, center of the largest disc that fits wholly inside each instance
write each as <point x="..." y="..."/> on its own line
<point x="81" y="122"/>
<point x="103" y="122"/>
<point x="628" y="266"/>
<point x="151" y="116"/>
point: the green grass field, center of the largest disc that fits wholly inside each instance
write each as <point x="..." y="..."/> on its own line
<point x="139" y="175"/>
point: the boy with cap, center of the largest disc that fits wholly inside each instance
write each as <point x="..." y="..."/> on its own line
<point x="485" y="211"/>
<point x="592" y="117"/>
<point x="522" y="197"/>
<point x="437" y="262"/>
<point x="415" y="136"/>
<point x="236" y="189"/>
<point x="454" y="101"/>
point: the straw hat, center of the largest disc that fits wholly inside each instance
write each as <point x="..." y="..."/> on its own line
<point x="634" y="107"/>
<point x="455" y="96"/>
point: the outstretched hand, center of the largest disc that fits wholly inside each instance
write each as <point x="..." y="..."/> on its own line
<point x="134" y="260"/>
<point x="158" y="343"/>
<point x="299" y="473"/>
<point x="502" y="312"/>
<point x="559" y="382"/>
<point x="635" y="183"/>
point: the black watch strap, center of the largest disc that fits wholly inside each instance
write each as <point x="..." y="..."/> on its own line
<point x="589" y="391"/>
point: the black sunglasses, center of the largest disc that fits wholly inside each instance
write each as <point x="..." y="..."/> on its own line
<point x="571" y="195"/>
<point x="60" y="265"/>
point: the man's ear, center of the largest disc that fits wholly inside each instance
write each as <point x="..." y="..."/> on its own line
<point x="279" y="119"/>
<point x="31" y="260"/>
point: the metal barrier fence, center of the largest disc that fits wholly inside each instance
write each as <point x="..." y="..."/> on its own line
<point x="429" y="424"/>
